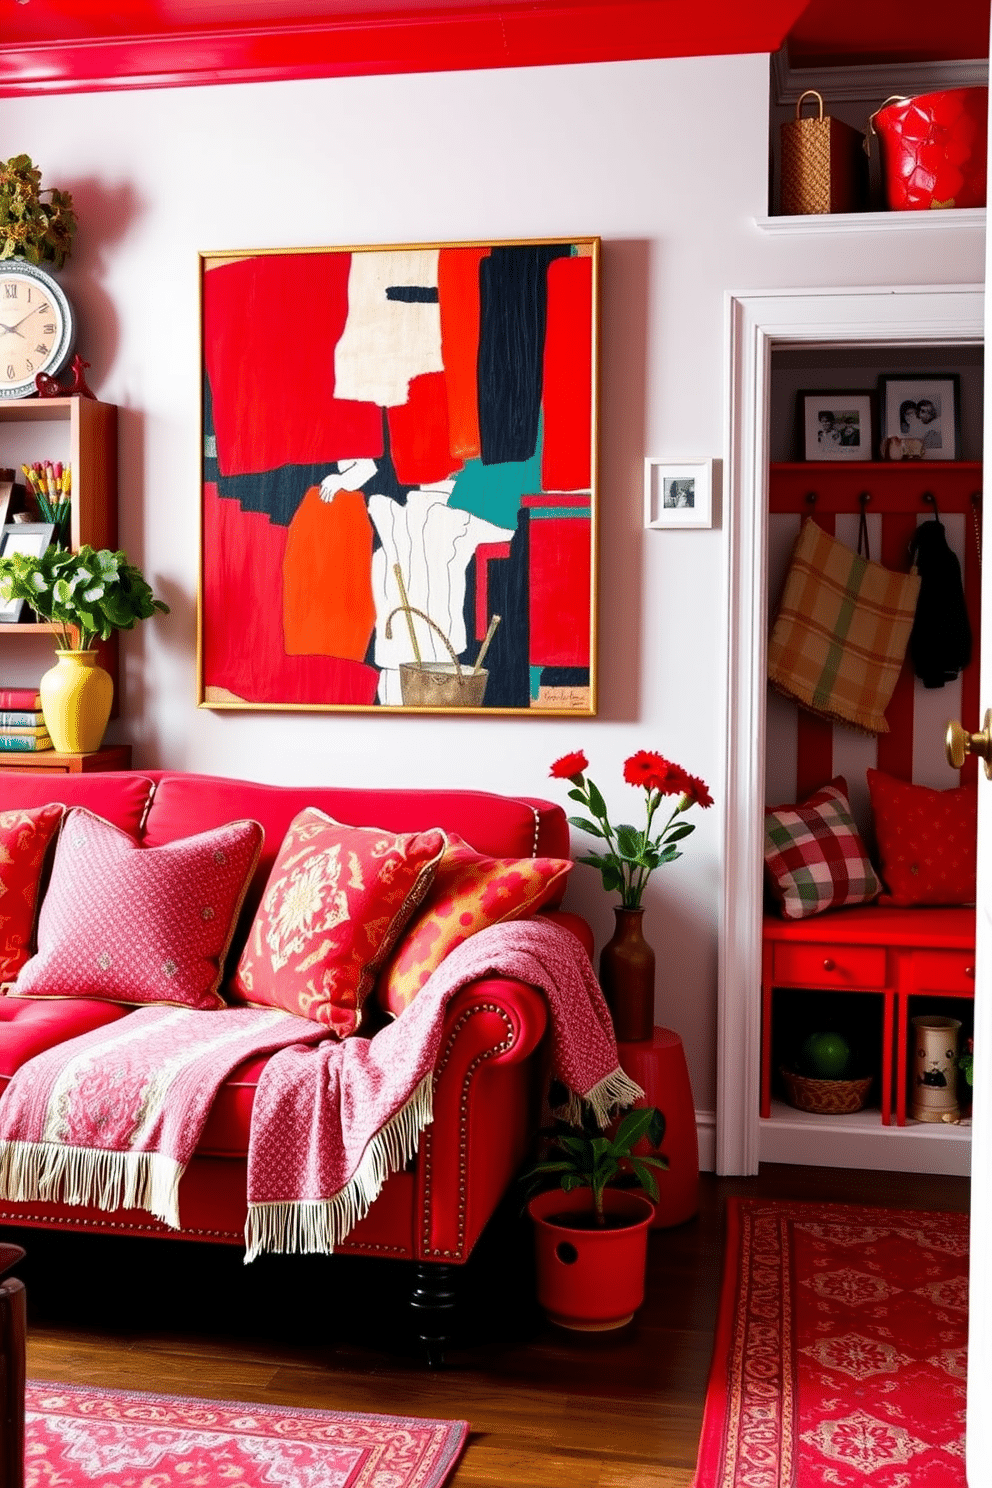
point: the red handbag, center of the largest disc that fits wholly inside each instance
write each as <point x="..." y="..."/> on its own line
<point x="934" y="149"/>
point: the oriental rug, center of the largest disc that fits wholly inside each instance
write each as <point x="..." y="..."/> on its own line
<point x="78" y="1437"/>
<point x="840" y="1349"/>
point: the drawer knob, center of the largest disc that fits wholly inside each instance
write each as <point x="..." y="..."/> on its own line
<point x="829" y="964"/>
<point x="969" y="972"/>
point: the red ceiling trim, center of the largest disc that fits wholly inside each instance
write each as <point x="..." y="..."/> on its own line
<point x="438" y="42"/>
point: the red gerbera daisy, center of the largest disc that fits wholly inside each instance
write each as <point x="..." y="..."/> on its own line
<point x="569" y="766"/>
<point x="697" y="791"/>
<point x="654" y="772"/>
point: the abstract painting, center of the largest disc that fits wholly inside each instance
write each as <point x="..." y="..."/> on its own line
<point x="399" y="478"/>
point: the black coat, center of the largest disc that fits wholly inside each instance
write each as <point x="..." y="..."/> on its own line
<point x="940" y="641"/>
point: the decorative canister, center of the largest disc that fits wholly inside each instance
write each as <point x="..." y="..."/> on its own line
<point x="934" y="149"/>
<point x="935" y="1068"/>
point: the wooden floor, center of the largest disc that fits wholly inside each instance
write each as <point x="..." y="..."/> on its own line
<point x="548" y="1409"/>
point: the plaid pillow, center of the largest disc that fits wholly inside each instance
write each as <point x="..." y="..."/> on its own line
<point x="814" y="856"/>
<point x="840" y="635"/>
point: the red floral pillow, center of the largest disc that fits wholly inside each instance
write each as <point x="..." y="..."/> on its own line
<point x="470" y="892"/>
<point x="926" y="840"/>
<point x="25" y="837"/>
<point x="336" y="900"/>
<point x="137" y="924"/>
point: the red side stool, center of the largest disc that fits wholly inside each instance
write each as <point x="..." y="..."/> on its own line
<point x="658" y="1065"/>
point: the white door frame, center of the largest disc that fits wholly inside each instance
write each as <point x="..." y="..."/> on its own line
<point x="756" y="323"/>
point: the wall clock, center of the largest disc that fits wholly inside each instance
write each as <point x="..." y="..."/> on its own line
<point x="37" y="327"/>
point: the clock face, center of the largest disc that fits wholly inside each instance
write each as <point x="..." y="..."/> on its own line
<point x="36" y="328"/>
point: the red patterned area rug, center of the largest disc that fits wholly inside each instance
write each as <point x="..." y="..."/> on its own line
<point x="840" y="1351"/>
<point x="78" y="1437"/>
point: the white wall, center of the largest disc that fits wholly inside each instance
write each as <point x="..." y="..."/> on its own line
<point x="667" y="162"/>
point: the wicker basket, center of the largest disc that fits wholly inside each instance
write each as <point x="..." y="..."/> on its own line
<point x="825" y="1097"/>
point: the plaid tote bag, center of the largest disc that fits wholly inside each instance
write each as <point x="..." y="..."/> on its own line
<point x="839" y="637"/>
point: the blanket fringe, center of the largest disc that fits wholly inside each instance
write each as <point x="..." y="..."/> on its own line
<point x="612" y="1092"/>
<point x="79" y="1175"/>
<point x="316" y="1226"/>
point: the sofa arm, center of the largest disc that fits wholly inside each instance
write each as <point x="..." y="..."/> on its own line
<point x="486" y="1100"/>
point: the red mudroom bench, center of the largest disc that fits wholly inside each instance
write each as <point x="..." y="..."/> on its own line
<point x="897" y="953"/>
<point x="486" y="1079"/>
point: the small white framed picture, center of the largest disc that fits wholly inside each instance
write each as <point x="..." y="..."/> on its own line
<point x="678" y="493"/>
<point x="837" y="425"/>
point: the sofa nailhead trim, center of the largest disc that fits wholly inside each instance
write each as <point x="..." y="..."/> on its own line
<point x="501" y="1048"/>
<point x="50" y="1221"/>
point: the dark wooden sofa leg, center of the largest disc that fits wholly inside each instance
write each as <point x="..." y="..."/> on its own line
<point x="432" y="1303"/>
<point x="13" y="1328"/>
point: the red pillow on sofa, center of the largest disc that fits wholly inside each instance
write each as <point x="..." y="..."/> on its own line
<point x="24" y="841"/>
<point x="469" y="892"/>
<point x="926" y="840"/>
<point x="336" y="900"/>
<point x="136" y="924"/>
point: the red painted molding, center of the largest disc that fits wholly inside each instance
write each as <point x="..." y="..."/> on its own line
<point x="434" y="40"/>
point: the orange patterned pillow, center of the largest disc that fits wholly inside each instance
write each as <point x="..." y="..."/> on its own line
<point x="24" y="840"/>
<point x="336" y="900"/>
<point x="470" y="892"/>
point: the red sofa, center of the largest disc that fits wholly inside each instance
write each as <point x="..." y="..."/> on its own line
<point x="485" y="1099"/>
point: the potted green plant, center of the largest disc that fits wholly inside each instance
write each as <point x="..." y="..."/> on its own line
<point x="31" y="228"/>
<point x="591" y="1224"/>
<point x="86" y="595"/>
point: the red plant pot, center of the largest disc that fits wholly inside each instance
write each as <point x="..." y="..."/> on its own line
<point x="590" y="1279"/>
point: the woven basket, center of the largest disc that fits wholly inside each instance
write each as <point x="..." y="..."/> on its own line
<point x="825" y="1097"/>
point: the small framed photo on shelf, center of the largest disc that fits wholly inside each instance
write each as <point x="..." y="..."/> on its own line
<point x="22" y="537"/>
<point x="836" y="425"/>
<point x="678" y="493"/>
<point x="920" y="416"/>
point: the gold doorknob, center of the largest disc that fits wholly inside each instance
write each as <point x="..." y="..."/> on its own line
<point x="958" y="744"/>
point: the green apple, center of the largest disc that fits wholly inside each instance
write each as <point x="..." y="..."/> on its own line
<point x="826" y="1055"/>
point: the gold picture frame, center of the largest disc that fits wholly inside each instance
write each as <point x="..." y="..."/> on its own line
<point x="399" y="485"/>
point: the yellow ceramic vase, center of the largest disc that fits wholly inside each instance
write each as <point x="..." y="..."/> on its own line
<point x="76" y="696"/>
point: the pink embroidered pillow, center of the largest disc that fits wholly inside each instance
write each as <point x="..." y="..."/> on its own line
<point x="470" y="892"/>
<point x="25" y="837"/>
<point x="927" y="840"/>
<point x="336" y="900"/>
<point x="140" y="924"/>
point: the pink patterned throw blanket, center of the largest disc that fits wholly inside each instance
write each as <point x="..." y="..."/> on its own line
<point x="112" y="1118"/>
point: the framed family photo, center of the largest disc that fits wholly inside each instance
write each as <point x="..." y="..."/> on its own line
<point x="836" y="425"/>
<point x="399" y="487"/>
<point x="678" y="493"/>
<point x="923" y="414"/>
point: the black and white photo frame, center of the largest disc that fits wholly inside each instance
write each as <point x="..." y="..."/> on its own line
<point x="678" y="493"/>
<point x="920" y="416"/>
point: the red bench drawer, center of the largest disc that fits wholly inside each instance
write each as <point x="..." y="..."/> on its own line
<point x="829" y="966"/>
<point x="944" y="971"/>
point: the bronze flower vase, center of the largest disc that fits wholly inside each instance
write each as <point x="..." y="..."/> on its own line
<point x="626" y="974"/>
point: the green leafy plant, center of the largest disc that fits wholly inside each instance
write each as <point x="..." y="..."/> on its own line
<point x="966" y="1063"/>
<point x="30" y="228"/>
<point x="586" y="1157"/>
<point x="92" y="593"/>
<point x="631" y="854"/>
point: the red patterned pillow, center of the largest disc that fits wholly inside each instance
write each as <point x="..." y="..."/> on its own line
<point x="140" y="924"/>
<point x="470" y="892"/>
<point x="814" y="856"/>
<point x="24" y="841"/>
<point x="926" y="840"/>
<point x="336" y="900"/>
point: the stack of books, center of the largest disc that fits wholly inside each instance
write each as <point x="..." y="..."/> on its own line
<point x="22" y="726"/>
